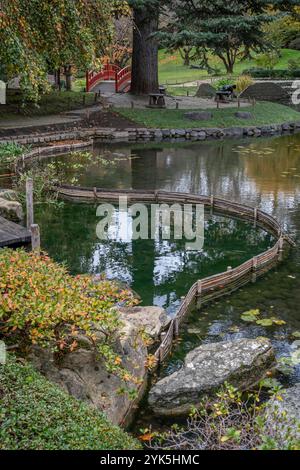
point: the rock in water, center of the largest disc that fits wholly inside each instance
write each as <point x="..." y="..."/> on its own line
<point x="241" y="363"/>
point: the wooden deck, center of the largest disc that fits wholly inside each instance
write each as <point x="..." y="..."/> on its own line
<point x="12" y="234"/>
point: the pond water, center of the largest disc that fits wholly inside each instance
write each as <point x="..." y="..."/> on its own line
<point x="263" y="173"/>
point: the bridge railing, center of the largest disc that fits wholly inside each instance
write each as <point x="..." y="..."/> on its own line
<point x="123" y="79"/>
<point x="108" y="72"/>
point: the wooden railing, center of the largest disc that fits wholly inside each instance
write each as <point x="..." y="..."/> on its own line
<point x="121" y="77"/>
<point x="209" y="288"/>
<point x="108" y="72"/>
<point x="123" y="80"/>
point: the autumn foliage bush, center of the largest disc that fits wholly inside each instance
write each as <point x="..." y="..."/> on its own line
<point x="41" y="304"/>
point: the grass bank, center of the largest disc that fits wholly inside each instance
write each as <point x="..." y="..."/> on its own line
<point x="263" y="114"/>
<point x="37" y="415"/>
<point x="51" y="103"/>
<point x="172" y="70"/>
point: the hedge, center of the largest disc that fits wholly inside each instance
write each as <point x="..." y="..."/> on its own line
<point x="37" y="415"/>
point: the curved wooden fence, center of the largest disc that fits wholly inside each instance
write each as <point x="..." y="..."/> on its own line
<point x="212" y="287"/>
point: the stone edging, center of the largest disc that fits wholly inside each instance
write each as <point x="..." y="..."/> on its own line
<point x="157" y="135"/>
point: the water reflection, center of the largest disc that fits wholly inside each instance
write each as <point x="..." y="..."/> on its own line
<point x="262" y="172"/>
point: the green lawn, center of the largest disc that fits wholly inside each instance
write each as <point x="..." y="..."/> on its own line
<point x="263" y="113"/>
<point x="52" y="103"/>
<point x="37" y="415"/>
<point x="172" y="70"/>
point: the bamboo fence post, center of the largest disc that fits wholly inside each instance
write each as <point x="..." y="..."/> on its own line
<point x="254" y="268"/>
<point x="280" y="251"/>
<point x="29" y="202"/>
<point x="199" y="295"/>
<point x="35" y="238"/>
<point x="255" y="216"/>
<point x="212" y="202"/>
<point x="176" y="327"/>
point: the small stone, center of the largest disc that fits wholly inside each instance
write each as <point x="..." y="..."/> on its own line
<point x="243" y="115"/>
<point x="198" y="116"/>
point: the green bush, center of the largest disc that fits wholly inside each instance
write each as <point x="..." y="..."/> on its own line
<point x="40" y="303"/>
<point x="10" y="151"/>
<point x="267" y="60"/>
<point x="37" y="415"/>
<point x="285" y="74"/>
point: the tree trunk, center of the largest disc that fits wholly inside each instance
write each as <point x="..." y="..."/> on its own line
<point x="68" y="75"/>
<point x="145" y="53"/>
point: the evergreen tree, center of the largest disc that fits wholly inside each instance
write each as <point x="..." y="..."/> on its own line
<point x="226" y="27"/>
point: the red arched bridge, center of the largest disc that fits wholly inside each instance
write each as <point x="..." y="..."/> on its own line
<point x="110" y="72"/>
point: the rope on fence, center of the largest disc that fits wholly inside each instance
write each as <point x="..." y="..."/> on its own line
<point x="210" y="288"/>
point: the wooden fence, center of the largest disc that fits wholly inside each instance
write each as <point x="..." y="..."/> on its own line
<point x="210" y="288"/>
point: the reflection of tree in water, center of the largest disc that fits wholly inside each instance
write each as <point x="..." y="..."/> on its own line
<point x="155" y="269"/>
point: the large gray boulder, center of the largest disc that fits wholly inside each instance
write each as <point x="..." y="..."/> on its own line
<point x="266" y="91"/>
<point x="152" y="320"/>
<point x="205" y="90"/>
<point x="11" y="210"/>
<point x="241" y="363"/>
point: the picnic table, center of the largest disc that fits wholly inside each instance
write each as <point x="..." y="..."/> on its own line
<point x="157" y="100"/>
<point x="223" y="95"/>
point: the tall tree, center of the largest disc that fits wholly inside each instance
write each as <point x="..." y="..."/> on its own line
<point x="145" y="46"/>
<point x="37" y="35"/>
<point x="226" y="27"/>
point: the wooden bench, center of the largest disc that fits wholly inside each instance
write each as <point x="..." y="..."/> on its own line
<point x="157" y="100"/>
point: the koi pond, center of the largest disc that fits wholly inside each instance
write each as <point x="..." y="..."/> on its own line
<point x="264" y="173"/>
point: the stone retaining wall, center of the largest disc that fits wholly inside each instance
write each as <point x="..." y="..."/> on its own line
<point x="157" y="135"/>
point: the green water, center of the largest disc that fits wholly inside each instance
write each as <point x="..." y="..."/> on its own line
<point x="263" y="173"/>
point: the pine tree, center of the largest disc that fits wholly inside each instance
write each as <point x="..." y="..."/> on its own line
<point x="226" y="27"/>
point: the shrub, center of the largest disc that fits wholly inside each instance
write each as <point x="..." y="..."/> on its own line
<point x="10" y="151"/>
<point x="222" y="82"/>
<point x="284" y="74"/>
<point x="267" y="60"/>
<point x="37" y="415"/>
<point x="40" y="303"/>
<point x="233" y="421"/>
<point x="295" y="44"/>
<point x="243" y="82"/>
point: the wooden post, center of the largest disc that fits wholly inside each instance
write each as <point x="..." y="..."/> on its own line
<point x="199" y="295"/>
<point x="280" y="253"/>
<point x="132" y="104"/>
<point x="255" y="216"/>
<point x="254" y="267"/>
<point x="177" y="105"/>
<point x="29" y="202"/>
<point x="176" y="327"/>
<point x="239" y="103"/>
<point x="35" y="238"/>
